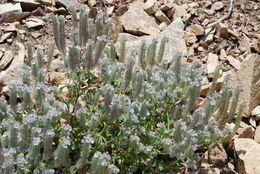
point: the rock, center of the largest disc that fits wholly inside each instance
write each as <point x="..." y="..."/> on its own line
<point x="11" y="27"/>
<point x="69" y="4"/>
<point x="36" y="35"/>
<point x="257" y="134"/>
<point x="34" y="23"/>
<point x="249" y="77"/>
<point x="11" y="74"/>
<point x="209" y="170"/>
<point x="209" y="37"/>
<point x="252" y="122"/>
<point x="222" y="30"/>
<point x="195" y="29"/>
<point x="204" y="90"/>
<point x="110" y="10"/>
<point x="179" y="11"/>
<point x="167" y="6"/>
<point x="64" y="91"/>
<point x="246" y="158"/>
<point x="151" y="6"/>
<point x="205" y="22"/>
<point x="162" y="17"/>
<point x="92" y="3"/>
<point x="7" y="58"/>
<point x="247" y="132"/>
<point x="233" y="34"/>
<point x="5" y="36"/>
<point x="61" y="10"/>
<point x="234" y="62"/>
<point x="1" y="54"/>
<point x="212" y="63"/>
<point x="163" y="26"/>
<point x="48" y="2"/>
<point x="57" y="65"/>
<point x="256" y="112"/>
<point x="217" y="6"/>
<point x="121" y="10"/>
<point x="146" y="24"/>
<point x="245" y="44"/>
<point x="38" y="12"/>
<point x="174" y="33"/>
<point x="190" y="38"/>
<point x="218" y="156"/>
<point x="56" y="78"/>
<point x="11" y="12"/>
<point x="9" y="8"/>
<point x="223" y="55"/>
<point x="28" y="5"/>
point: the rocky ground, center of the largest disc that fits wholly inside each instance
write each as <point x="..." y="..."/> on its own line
<point x="188" y="25"/>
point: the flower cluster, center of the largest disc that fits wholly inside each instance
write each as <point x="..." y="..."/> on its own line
<point x="120" y="115"/>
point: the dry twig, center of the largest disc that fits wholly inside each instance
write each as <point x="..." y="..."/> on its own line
<point x="223" y="17"/>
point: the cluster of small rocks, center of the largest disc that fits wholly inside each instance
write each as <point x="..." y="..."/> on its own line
<point x="185" y="25"/>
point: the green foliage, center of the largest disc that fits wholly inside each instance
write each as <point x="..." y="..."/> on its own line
<point x="116" y="118"/>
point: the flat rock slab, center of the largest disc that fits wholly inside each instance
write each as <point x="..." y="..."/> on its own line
<point x="249" y="77"/>
<point x="28" y="5"/>
<point x="247" y="158"/>
<point x="174" y="33"/>
<point x="34" y="22"/>
<point x="69" y="4"/>
<point x="137" y="21"/>
<point x="7" y="58"/>
<point x="12" y="73"/>
<point x="12" y="12"/>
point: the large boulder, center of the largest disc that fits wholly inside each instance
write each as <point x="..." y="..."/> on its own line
<point x="137" y="21"/>
<point x="247" y="158"/>
<point x="249" y="77"/>
<point x="174" y="33"/>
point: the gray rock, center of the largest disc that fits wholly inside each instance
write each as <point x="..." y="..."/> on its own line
<point x="162" y="17"/>
<point x="9" y="7"/>
<point x="190" y="38"/>
<point x="178" y="11"/>
<point x="69" y="4"/>
<point x="28" y="5"/>
<point x="7" y="58"/>
<point x="257" y="134"/>
<point x="163" y="26"/>
<point x="174" y="33"/>
<point x="137" y="21"/>
<point x="48" y="2"/>
<point x="246" y="158"/>
<point x="11" y="74"/>
<point x="217" y="6"/>
<point x="5" y="36"/>
<point x="196" y="29"/>
<point x="34" y="22"/>
<point x="12" y="12"/>
<point x="1" y="54"/>
<point x="249" y="77"/>
<point x="151" y="6"/>
<point x="234" y="62"/>
<point x="212" y="63"/>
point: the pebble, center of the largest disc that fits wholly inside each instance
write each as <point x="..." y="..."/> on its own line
<point x="212" y="63"/>
<point x="217" y="6"/>
<point x="196" y="29"/>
